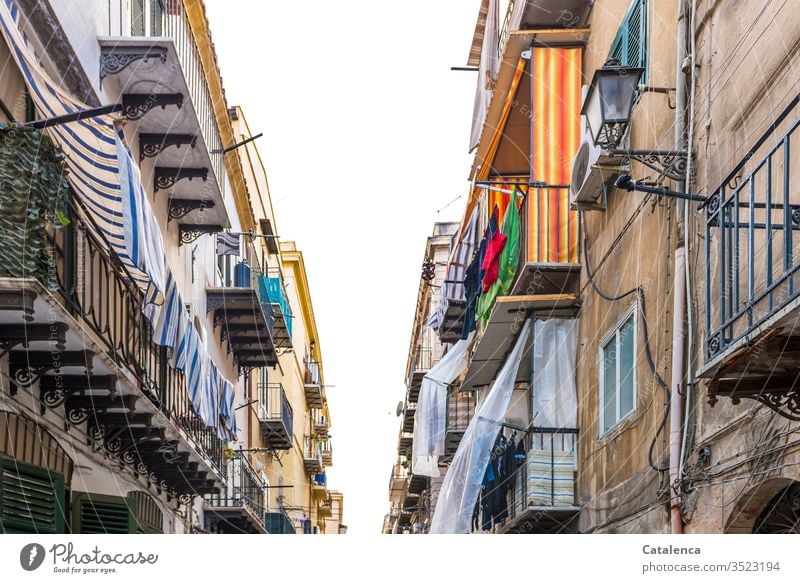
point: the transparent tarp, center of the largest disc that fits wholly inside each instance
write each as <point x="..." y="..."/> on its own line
<point x="462" y="482"/>
<point x="554" y="346"/>
<point x="431" y="416"/>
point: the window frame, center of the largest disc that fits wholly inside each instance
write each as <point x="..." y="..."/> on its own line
<point x="631" y="314"/>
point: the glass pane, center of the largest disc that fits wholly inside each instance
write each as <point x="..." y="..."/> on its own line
<point x="627" y="355"/>
<point x="609" y="373"/>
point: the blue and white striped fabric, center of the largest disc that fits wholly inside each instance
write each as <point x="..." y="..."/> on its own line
<point x="227" y="427"/>
<point x="108" y="184"/>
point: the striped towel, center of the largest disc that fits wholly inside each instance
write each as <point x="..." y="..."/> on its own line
<point x="551" y="478"/>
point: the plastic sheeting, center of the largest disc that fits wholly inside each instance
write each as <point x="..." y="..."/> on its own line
<point x="462" y="483"/>
<point x="431" y="416"/>
<point x="554" y="350"/>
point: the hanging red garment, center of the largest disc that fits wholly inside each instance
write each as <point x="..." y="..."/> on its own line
<point x="494" y="246"/>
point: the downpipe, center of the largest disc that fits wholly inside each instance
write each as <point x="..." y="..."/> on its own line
<point x="676" y="395"/>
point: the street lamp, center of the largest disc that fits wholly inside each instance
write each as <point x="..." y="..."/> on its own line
<point x="608" y="107"/>
<point x="609" y="102"/>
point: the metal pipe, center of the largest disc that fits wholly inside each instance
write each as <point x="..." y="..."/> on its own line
<point x="679" y="284"/>
<point x="676" y="398"/>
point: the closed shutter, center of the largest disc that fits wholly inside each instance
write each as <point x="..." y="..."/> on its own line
<point x="100" y="514"/>
<point x="137" y="17"/>
<point x="630" y="44"/>
<point x="156" y="18"/>
<point x="31" y="499"/>
<point x="149" y="519"/>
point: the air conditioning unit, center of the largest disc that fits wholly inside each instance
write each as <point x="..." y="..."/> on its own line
<point x="592" y="170"/>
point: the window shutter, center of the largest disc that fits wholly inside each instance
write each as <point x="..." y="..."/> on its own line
<point x="31" y="499"/>
<point x="137" y="18"/>
<point x="149" y="518"/>
<point x="630" y="44"/>
<point x="156" y="18"/>
<point x="100" y="514"/>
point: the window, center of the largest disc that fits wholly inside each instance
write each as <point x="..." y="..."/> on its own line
<point x="630" y="44"/>
<point x="137" y="18"/>
<point x="618" y="373"/>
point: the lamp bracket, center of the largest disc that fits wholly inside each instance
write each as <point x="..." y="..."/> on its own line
<point x="668" y="163"/>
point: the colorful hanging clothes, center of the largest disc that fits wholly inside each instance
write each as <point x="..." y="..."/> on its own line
<point x="495" y="243"/>
<point x="509" y="257"/>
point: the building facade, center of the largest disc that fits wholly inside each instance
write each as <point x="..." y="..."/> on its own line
<point x="145" y="310"/>
<point x="653" y="237"/>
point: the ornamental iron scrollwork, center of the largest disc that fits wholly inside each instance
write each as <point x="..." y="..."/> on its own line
<point x="165" y="178"/>
<point x="668" y="163"/>
<point x="151" y="145"/>
<point x="180" y="207"/>
<point x="190" y="233"/>
<point x="116" y="59"/>
<point x="136" y="105"/>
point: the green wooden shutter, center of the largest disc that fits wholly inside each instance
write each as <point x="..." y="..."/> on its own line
<point x="630" y="44"/>
<point x="31" y="499"/>
<point x="101" y="514"/>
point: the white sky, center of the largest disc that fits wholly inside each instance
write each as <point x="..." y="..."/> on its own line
<point x="365" y="137"/>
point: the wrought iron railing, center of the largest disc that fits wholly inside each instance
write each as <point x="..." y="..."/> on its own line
<point x="244" y="488"/>
<point x="752" y="254"/>
<point x="423" y="359"/>
<point x="273" y="405"/>
<point x="546" y="476"/>
<point x="176" y="25"/>
<point x="97" y="289"/>
<point x="312" y="376"/>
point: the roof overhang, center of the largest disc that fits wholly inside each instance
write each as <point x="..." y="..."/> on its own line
<point x="502" y="329"/>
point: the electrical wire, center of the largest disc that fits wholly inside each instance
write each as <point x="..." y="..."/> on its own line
<point x="639" y="291"/>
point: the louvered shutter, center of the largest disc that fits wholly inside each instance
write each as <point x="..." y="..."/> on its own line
<point x="630" y="44"/>
<point x="101" y="514"/>
<point x="31" y="499"/>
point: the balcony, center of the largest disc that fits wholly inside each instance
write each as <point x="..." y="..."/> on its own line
<point x="543" y="499"/>
<point x="421" y="364"/>
<point x="327" y="453"/>
<point x="405" y="442"/>
<point x="397" y="481"/>
<point x="273" y="291"/>
<point x="319" y="487"/>
<point x="752" y="296"/>
<point x="460" y="410"/>
<point x="246" y="321"/>
<point x="409" y="413"/>
<point x="184" y="142"/>
<point x="77" y="342"/>
<point x="319" y="424"/>
<point x="313" y="384"/>
<point x="312" y="456"/>
<point x="239" y="508"/>
<point x="275" y="416"/>
<point x="278" y="522"/>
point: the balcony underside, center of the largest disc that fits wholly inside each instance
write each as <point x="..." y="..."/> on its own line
<point x="452" y="438"/>
<point x="416" y="484"/>
<point x="764" y="367"/>
<point x="233" y="520"/>
<point x="321" y="429"/>
<point x="313" y="395"/>
<point x="276" y="433"/>
<point x="502" y="329"/>
<point x="543" y="520"/>
<point x="327" y="459"/>
<point x="282" y="338"/>
<point x="409" y="414"/>
<point x="244" y="325"/>
<point x="415" y="385"/>
<point x="61" y="364"/>
<point x="453" y="322"/>
<point x="319" y="492"/>
<point x="405" y="442"/>
<point x="181" y="145"/>
<point x="313" y="465"/>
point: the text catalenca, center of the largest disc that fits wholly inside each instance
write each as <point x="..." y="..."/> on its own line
<point x="670" y="550"/>
<point x="65" y="554"/>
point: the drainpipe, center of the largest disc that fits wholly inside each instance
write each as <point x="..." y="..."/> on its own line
<point x="679" y="290"/>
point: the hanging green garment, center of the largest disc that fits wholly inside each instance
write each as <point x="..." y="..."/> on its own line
<point x="509" y="258"/>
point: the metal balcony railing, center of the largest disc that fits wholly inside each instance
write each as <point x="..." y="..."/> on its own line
<point x="97" y="290"/>
<point x="175" y="25"/>
<point x="751" y="249"/>
<point x="312" y="376"/>
<point x="423" y="359"/>
<point x="275" y="290"/>
<point x="244" y="488"/>
<point x="274" y="406"/>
